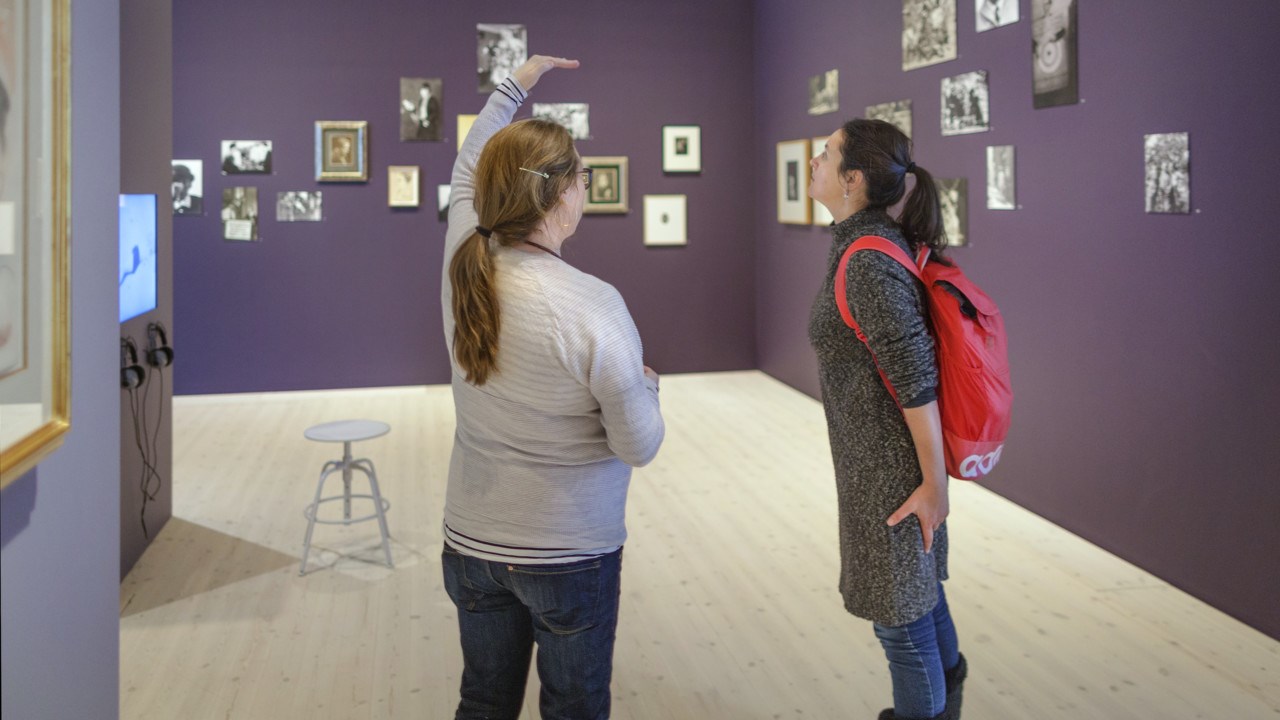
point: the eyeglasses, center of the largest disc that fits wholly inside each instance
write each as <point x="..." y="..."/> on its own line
<point x="587" y="174"/>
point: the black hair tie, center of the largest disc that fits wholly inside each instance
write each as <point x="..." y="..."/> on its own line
<point x="910" y="166"/>
<point x="484" y="231"/>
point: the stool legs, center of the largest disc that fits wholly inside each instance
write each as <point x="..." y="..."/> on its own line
<point x="346" y="465"/>
<point x="313" y="510"/>
<point x="366" y="465"/>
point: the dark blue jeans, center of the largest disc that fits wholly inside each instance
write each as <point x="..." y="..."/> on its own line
<point x="570" y="611"/>
<point x="918" y="654"/>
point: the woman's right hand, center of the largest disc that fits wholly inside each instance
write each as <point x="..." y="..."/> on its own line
<point x="537" y="66"/>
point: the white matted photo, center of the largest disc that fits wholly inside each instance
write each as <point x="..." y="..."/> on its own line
<point x="246" y="156"/>
<point x="897" y="113"/>
<point x="794" y="205"/>
<point x="1055" y="73"/>
<point x="990" y="14"/>
<point x="665" y="220"/>
<point x="299" y="206"/>
<point x="240" y="214"/>
<point x="928" y="32"/>
<point x="682" y="148"/>
<point x="500" y="49"/>
<point x="442" y="201"/>
<point x="402" y="186"/>
<point x="824" y="93"/>
<point x="574" y="116"/>
<point x="821" y="215"/>
<point x="421" y="109"/>
<point x="187" y="189"/>
<point x="1168" y="175"/>
<point x="953" y="197"/>
<point x="966" y="105"/>
<point x="1000" y="185"/>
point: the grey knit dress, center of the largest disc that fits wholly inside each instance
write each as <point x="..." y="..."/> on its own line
<point x="885" y="575"/>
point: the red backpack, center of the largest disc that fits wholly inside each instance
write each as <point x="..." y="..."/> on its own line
<point x="974" y="395"/>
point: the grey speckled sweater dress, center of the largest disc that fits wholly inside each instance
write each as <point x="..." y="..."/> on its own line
<point x="885" y="575"/>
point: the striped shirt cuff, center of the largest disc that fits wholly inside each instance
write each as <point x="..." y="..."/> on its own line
<point x="512" y="89"/>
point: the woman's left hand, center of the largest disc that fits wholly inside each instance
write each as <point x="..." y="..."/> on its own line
<point x="930" y="505"/>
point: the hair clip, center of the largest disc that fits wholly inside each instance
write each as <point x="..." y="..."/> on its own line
<point x="545" y="176"/>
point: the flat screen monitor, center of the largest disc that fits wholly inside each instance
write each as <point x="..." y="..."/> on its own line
<point x="137" y="255"/>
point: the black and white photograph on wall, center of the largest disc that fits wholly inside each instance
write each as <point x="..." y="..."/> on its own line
<point x="299" y="206"/>
<point x="240" y="214"/>
<point x="187" y="188"/>
<point x="897" y="113"/>
<point x="953" y="197"/>
<point x="681" y="148"/>
<point x="928" y="32"/>
<point x="402" y="186"/>
<point x="1000" y="185"/>
<point x="1168" y="173"/>
<point x="246" y="156"/>
<point x="574" y="116"/>
<point x="500" y="49"/>
<point x="609" y="185"/>
<point x="421" y="111"/>
<point x="991" y="14"/>
<point x="794" y="206"/>
<point x="442" y="201"/>
<point x="966" y="106"/>
<point x="824" y="93"/>
<point x="1055" y="67"/>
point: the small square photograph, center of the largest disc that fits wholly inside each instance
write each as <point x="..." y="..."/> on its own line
<point x="298" y="206"/>
<point x="682" y="148"/>
<point x="187" y="189"/>
<point x="953" y="196"/>
<point x="240" y="214"/>
<point x="402" y="186"/>
<point x="421" y="116"/>
<point x="500" y="49"/>
<point x="1055" y="70"/>
<point x="995" y="13"/>
<point x="573" y="116"/>
<point x="442" y="201"/>
<point x="824" y="93"/>
<point x="1168" y="175"/>
<point x="928" y="32"/>
<point x="896" y="113"/>
<point x="966" y="104"/>
<point x="1000" y="188"/>
<point x="241" y="157"/>
<point x="664" y="220"/>
<point x="608" y="190"/>
<point x="341" y="150"/>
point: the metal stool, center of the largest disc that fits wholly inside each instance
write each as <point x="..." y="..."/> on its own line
<point x="347" y="432"/>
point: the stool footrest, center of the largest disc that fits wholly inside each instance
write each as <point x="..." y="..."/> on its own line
<point x="309" y="512"/>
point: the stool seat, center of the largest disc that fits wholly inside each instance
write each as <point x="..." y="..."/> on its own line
<point x="347" y="431"/>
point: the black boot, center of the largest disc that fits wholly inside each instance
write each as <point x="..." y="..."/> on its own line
<point x="887" y="714"/>
<point x="955" y="687"/>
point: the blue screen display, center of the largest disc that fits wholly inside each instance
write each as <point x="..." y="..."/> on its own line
<point x="137" y="276"/>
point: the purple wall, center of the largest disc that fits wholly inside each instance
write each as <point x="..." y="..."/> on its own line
<point x="1143" y="356"/>
<point x="353" y="301"/>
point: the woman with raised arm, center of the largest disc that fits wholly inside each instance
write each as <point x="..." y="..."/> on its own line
<point x="554" y="406"/>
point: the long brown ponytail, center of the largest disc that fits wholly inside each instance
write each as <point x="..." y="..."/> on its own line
<point x="511" y="204"/>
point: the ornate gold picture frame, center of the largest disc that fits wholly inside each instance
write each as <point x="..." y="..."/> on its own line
<point x="342" y="150"/>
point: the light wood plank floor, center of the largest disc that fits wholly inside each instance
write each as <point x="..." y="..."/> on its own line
<point x="729" y="605"/>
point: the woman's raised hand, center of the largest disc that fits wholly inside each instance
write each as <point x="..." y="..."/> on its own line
<point x="537" y="66"/>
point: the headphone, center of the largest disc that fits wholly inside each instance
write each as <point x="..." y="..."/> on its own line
<point x="131" y="373"/>
<point x="159" y="354"/>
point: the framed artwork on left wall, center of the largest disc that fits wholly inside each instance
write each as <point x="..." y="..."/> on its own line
<point x="342" y="150"/>
<point x="793" y="182"/>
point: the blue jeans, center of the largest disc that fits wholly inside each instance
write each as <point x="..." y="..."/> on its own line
<point x="569" y="610"/>
<point x="918" y="655"/>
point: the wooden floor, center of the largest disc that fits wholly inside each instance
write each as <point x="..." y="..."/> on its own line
<point x="729" y="606"/>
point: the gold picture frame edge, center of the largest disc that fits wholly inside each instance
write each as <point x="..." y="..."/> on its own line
<point x="623" y="206"/>
<point x="362" y="130"/>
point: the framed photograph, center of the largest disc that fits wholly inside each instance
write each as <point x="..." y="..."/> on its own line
<point x="992" y="14"/>
<point x="1000" y="185"/>
<point x="421" y="116"/>
<point x="574" y="116"/>
<point x="682" y="148"/>
<point x="240" y="214"/>
<point x="342" y="150"/>
<point x="464" y="127"/>
<point x="953" y="196"/>
<point x="402" y="186"/>
<point x="897" y="112"/>
<point x="928" y="32"/>
<point x="793" y="182"/>
<point x="609" y="185"/>
<point x="1055" y="68"/>
<point x="824" y="93"/>
<point x="246" y="157"/>
<point x="442" y="201"/>
<point x="966" y="105"/>
<point x="821" y="215"/>
<point x="187" y="189"/>
<point x="299" y="206"/>
<point x="35" y="219"/>
<point x="664" y="220"/>
<point x="1168" y="174"/>
<point x="500" y="49"/>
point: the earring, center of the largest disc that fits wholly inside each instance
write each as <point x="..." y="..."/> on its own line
<point x="846" y="193"/>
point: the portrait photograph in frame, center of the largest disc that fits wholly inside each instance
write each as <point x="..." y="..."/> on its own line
<point x="821" y="215"/>
<point x="342" y="150"/>
<point x="682" y="148"/>
<point x="402" y="186"/>
<point x="609" y="185"/>
<point x="35" y="218"/>
<point x="793" y="182"/>
<point x="665" y="220"/>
